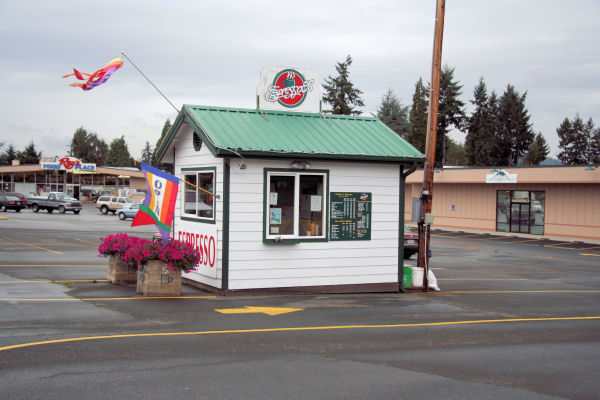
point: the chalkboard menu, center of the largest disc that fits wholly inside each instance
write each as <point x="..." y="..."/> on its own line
<point x="350" y="216"/>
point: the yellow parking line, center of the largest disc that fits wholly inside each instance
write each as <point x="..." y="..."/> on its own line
<point x="590" y="254"/>
<point x="31" y="245"/>
<point x="112" y="298"/>
<point x="297" y="329"/>
<point x="87" y="241"/>
<point x="557" y="244"/>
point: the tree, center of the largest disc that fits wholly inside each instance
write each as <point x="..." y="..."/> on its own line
<point x="29" y="155"/>
<point x="538" y="151"/>
<point x="456" y="154"/>
<point x="88" y="147"/>
<point x="579" y="142"/>
<point x="418" y="117"/>
<point x="155" y="163"/>
<point x="118" y="154"/>
<point x="480" y="139"/>
<point x="450" y="112"/>
<point x="8" y="155"/>
<point x="340" y="93"/>
<point x="392" y="113"/>
<point x="592" y="134"/>
<point x="514" y="129"/>
<point x="147" y="154"/>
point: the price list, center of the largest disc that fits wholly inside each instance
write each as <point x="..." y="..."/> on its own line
<point x="350" y="216"/>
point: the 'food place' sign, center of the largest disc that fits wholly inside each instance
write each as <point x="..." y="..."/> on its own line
<point x="291" y="89"/>
<point x="68" y="164"/>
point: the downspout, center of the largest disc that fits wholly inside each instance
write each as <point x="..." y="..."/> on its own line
<point x="402" y="197"/>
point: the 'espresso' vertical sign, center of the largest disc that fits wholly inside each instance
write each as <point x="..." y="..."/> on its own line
<point x="289" y="89"/>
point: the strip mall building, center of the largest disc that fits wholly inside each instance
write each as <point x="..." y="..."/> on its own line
<point x="70" y="175"/>
<point x="548" y="200"/>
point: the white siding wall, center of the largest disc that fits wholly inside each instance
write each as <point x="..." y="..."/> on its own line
<point x="187" y="157"/>
<point x="253" y="264"/>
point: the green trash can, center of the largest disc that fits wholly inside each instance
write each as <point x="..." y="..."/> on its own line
<point x="407" y="277"/>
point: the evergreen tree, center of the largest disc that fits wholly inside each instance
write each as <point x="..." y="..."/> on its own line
<point x="8" y="155"/>
<point x="572" y="141"/>
<point x="155" y="163"/>
<point x="450" y="112"/>
<point x="480" y="139"/>
<point x="592" y="135"/>
<point x="456" y="154"/>
<point x="340" y="93"/>
<point x="538" y="151"/>
<point x="88" y="147"/>
<point x="514" y="129"/>
<point x="29" y="155"/>
<point x="118" y="154"/>
<point x="418" y="117"/>
<point x="147" y="154"/>
<point x="392" y="113"/>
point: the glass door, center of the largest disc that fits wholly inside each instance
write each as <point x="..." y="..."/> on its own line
<point x="519" y="218"/>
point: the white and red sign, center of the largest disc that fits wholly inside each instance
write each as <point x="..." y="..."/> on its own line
<point x="291" y="89"/>
<point x="204" y="238"/>
<point x="68" y="164"/>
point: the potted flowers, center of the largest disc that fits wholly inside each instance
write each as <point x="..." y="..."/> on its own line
<point x="160" y="266"/>
<point x="119" y="270"/>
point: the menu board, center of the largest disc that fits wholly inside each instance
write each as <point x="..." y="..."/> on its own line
<point x="350" y="216"/>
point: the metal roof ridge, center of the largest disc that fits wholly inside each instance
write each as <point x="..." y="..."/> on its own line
<point x="281" y="112"/>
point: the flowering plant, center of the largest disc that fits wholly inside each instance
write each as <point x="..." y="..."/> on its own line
<point x="114" y="245"/>
<point x="137" y="251"/>
<point x="177" y="255"/>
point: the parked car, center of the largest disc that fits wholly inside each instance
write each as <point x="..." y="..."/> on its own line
<point x="21" y="196"/>
<point x="129" y="210"/>
<point x="411" y="242"/>
<point x="10" y="202"/>
<point x="112" y="203"/>
<point x="56" y="201"/>
<point x="90" y="194"/>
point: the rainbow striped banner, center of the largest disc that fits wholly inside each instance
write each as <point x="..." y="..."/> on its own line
<point x="159" y="205"/>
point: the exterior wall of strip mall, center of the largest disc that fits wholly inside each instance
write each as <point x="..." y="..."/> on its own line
<point x="547" y="201"/>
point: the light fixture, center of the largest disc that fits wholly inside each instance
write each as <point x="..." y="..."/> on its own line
<point x="300" y="165"/>
<point x="590" y="167"/>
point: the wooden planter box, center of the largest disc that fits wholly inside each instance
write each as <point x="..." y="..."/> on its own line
<point x="156" y="279"/>
<point x="119" y="272"/>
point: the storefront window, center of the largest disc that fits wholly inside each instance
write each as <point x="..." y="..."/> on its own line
<point x="520" y="211"/>
<point x="198" y="198"/>
<point x="502" y="213"/>
<point x="296" y="205"/>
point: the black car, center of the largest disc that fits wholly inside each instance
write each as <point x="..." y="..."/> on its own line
<point x="10" y="202"/>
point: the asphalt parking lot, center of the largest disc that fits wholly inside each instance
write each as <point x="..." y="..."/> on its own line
<point x="517" y="317"/>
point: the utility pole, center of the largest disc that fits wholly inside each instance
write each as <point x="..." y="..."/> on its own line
<point x="434" y="97"/>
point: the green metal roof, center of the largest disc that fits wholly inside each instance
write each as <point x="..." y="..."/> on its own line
<point x="249" y="132"/>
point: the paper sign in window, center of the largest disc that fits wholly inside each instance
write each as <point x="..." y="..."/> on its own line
<point x="273" y="199"/>
<point x="275" y="216"/>
<point x="315" y="203"/>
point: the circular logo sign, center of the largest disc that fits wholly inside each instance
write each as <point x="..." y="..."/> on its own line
<point x="289" y="88"/>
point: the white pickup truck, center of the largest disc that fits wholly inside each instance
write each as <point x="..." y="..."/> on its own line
<point x="55" y="201"/>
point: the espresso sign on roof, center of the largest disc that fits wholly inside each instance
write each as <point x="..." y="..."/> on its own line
<point x="289" y="89"/>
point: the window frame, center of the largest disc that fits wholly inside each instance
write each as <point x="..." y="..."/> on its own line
<point x="194" y="217"/>
<point x="269" y="238"/>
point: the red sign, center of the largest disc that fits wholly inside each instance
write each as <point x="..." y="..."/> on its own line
<point x="207" y="245"/>
<point x="69" y="162"/>
<point x="289" y="88"/>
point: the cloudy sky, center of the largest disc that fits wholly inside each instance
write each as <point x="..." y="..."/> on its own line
<point x="211" y="53"/>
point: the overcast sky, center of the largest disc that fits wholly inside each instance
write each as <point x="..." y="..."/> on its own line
<point x="211" y="53"/>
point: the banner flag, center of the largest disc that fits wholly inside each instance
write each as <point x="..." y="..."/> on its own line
<point x="159" y="205"/>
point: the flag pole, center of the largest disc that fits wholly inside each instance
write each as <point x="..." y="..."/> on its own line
<point x="197" y="187"/>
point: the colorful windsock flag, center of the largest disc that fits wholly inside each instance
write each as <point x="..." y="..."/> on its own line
<point x="159" y="205"/>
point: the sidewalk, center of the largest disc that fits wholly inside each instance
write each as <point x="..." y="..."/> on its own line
<point x="513" y="234"/>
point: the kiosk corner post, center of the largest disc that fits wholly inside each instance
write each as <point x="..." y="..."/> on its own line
<point x="434" y="96"/>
